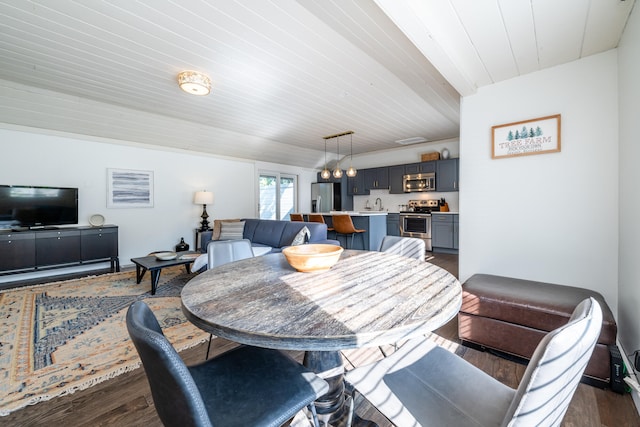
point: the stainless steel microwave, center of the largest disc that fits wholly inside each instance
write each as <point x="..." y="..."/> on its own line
<point x="419" y="182"/>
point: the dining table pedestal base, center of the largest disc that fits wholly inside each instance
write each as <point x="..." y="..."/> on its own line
<point x="336" y="408"/>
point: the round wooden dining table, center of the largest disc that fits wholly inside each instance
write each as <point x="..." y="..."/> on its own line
<point x="366" y="299"/>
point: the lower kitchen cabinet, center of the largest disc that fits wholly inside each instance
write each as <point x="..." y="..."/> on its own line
<point x="456" y="233"/>
<point x="444" y="235"/>
<point x="375" y="227"/>
<point x="393" y="224"/>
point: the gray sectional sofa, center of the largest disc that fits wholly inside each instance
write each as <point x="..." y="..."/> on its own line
<point x="273" y="235"/>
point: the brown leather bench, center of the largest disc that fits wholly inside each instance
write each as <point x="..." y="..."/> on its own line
<point x="512" y="315"/>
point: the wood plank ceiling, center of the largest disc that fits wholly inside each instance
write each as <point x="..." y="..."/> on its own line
<point x="285" y="73"/>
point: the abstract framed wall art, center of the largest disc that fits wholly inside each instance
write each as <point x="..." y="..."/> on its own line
<point x="535" y="136"/>
<point x="129" y="188"/>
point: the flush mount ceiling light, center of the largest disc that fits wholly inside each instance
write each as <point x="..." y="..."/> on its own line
<point x="194" y="83"/>
<point x="412" y="140"/>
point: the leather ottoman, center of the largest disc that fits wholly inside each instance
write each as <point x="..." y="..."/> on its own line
<point x="513" y="315"/>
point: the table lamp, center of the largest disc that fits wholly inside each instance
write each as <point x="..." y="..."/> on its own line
<point x="203" y="198"/>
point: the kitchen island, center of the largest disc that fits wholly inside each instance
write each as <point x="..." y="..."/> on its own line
<point x="374" y="222"/>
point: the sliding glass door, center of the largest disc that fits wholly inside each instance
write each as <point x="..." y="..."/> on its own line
<point x="277" y="197"/>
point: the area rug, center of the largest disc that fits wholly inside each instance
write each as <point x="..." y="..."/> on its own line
<point x="66" y="336"/>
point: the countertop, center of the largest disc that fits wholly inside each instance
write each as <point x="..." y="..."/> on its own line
<point x="352" y="213"/>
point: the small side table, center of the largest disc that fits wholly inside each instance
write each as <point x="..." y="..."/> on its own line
<point x="199" y="235"/>
<point x="155" y="266"/>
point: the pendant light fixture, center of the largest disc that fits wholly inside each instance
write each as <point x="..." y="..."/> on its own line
<point x="337" y="172"/>
<point x="326" y="173"/>
<point x="351" y="172"/>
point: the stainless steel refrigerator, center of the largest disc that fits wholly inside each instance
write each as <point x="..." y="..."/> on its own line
<point x="325" y="197"/>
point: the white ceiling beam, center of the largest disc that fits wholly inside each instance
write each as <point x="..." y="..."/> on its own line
<point x="412" y="18"/>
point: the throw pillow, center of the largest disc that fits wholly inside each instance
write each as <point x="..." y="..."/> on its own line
<point x="302" y="237"/>
<point x="217" y="225"/>
<point x="231" y="230"/>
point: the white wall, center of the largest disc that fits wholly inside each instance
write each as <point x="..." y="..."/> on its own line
<point x="31" y="158"/>
<point x="629" y="291"/>
<point x="548" y="217"/>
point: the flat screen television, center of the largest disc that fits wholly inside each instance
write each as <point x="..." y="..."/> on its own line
<point x="30" y="206"/>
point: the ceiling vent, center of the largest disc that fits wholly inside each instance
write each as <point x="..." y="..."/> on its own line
<point x="412" y="140"/>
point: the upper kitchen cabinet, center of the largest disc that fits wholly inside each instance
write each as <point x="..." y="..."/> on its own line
<point x="395" y="179"/>
<point x="355" y="185"/>
<point x="376" y="178"/>
<point x="422" y="167"/>
<point x="447" y="175"/>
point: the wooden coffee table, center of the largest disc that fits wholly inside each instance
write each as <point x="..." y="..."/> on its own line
<point x="155" y="266"/>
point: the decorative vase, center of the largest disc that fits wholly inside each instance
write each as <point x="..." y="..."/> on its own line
<point x="445" y="153"/>
<point x="182" y="246"/>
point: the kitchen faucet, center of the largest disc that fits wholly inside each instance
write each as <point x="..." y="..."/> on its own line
<point x="376" y="203"/>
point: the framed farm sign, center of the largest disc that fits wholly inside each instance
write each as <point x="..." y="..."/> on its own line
<point x="535" y="136"/>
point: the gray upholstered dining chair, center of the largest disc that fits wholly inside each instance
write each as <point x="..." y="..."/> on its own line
<point x="246" y="386"/>
<point x="410" y="247"/>
<point x="221" y="252"/>
<point x="423" y="384"/>
<point x="224" y="251"/>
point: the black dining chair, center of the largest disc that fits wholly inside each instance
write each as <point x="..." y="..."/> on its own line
<point x="423" y="384"/>
<point x="246" y="386"/>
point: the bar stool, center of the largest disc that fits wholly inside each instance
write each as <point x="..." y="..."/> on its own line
<point x="296" y="217"/>
<point x="319" y="218"/>
<point x="343" y="224"/>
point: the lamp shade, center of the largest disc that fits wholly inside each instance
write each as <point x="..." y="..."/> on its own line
<point x="203" y="198"/>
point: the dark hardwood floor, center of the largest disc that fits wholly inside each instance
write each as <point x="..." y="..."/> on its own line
<point x="126" y="399"/>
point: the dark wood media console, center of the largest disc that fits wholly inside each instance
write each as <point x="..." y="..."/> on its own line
<point x="47" y="248"/>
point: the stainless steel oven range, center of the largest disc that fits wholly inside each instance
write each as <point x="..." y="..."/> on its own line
<point x="416" y="221"/>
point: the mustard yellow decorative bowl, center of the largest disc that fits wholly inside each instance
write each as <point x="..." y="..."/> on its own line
<point x="312" y="257"/>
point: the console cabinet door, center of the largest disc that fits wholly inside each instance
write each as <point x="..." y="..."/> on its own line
<point x="57" y="247"/>
<point x="99" y="243"/>
<point x="17" y="251"/>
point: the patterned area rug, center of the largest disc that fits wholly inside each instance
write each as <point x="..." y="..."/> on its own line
<point x="66" y="336"/>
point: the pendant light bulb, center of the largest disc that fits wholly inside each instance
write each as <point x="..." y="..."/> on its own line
<point x="337" y="172"/>
<point x="326" y="173"/>
<point x="351" y="172"/>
